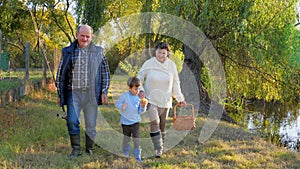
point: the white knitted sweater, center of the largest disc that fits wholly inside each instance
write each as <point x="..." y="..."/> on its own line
<point x="160" y="82"/>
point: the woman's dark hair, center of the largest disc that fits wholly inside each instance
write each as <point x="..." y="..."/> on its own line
<point x="133" y="82"/>
<point x="163" y="45"/>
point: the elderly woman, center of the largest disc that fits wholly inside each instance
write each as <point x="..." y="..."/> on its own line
<point x="160" y="81"/>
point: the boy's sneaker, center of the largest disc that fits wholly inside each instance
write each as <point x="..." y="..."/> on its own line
<point x="139" y="159"/>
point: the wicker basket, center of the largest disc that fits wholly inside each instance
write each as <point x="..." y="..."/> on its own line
<point x="186" y="122"/>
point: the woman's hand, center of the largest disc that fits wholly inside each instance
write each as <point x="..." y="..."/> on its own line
<point x="182" y="103"/>
<point x="141" y="94"/>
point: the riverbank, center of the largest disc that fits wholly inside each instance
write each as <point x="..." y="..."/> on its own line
<point x="31" y="136"/>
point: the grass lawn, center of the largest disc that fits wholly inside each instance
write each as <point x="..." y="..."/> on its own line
<point x="31" y="136"/>
<point x="15" y="79"/>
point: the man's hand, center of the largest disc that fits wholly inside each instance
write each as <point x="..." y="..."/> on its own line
<point x="104" y="99"/>
<point x="58" y="101"/>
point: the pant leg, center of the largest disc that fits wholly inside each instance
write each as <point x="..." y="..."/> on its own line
<point x="73" y="113"/>
<point x="136" y="135"/>
<point x="163" y="114"/>
<point x="126" y="134"/>
<point x="90" y="117"/>
<point x="154" y="118"/>
<point x="126" y="139"/>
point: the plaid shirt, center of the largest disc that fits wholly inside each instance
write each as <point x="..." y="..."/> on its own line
<point x="80" y="71"/>
<point x="81" y="74"/>
<point x="105" y="74"/>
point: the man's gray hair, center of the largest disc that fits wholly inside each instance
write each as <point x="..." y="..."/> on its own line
<point x="78" y="28"/>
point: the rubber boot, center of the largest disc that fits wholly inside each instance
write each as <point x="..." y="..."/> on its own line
<point x="126" y="150"/>
<point x="157" y="142"/>
<point x="137" y="154"/>
<point x="75" y="143"/>
<point x="89" y="144"/>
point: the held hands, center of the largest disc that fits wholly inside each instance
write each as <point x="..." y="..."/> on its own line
<point x="141" y="94"/>
<point x="143" y="102"/>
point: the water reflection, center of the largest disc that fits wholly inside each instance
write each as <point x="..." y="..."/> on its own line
<point x="290" y="131"/>
<point x="277" y="123"/>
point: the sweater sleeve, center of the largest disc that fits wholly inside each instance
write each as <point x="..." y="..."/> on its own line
<point x="176" y="89"/>
<point x="142" y="75"/>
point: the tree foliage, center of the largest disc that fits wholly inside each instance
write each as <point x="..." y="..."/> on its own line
<point x="44" y="24"/>
<point x="257" y="41"/>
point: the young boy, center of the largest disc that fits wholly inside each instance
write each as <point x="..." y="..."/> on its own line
<point x="131" y="107"/>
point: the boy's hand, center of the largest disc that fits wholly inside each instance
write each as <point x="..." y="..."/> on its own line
<point x="143" y="102"/>
<point x="124" y="106"/>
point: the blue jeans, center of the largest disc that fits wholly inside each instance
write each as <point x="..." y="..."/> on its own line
<point x="76" y="101"/>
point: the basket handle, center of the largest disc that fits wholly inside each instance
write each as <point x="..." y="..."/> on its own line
<point x="191" y="105"/>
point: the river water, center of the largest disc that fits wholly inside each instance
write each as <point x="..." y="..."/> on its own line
<point x="277" y="123"/>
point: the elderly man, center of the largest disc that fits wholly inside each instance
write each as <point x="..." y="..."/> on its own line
<point x="82" y="83"/>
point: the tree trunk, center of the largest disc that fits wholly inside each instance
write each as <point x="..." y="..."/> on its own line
<point x="26" y="78"/>
<point x="0" y="49"/>
<point x="146" y="27"/>
<point x="193" y="87"/>
<point x="0" y="40"/>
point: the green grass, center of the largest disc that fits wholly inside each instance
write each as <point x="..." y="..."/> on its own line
<point x="31" y="136"/>
<point x="16" y="78"/>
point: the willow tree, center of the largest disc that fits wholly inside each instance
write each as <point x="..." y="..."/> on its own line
<point x="91" y="12"/>
<point x="255" y="40"/>
<point x="99" y="13"/>
<point x="261" y="51"/>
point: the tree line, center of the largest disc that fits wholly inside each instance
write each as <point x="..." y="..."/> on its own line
<point x="257" y="41"/>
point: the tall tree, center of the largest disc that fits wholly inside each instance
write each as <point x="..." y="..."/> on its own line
<point x="253" y="39"/>
<point x="256" y="42"/>
<point x="32" y="21"/>
<point x="91" y="12"/>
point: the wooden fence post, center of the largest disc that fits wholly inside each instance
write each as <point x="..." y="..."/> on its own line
<point x="0" y="49"/>
<point x="26" y="79"/>
<point x="0" y="40"/>
<point x="44" y="66"/>
<point x="56" y="60"/>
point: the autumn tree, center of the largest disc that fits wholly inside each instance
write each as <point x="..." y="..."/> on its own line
<point x="44" y="24"/>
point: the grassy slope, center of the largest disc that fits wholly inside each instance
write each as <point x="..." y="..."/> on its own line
<point x="31" y="136"/>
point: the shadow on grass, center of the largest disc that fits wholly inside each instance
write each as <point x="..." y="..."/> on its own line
<point x="34" y="138"/>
